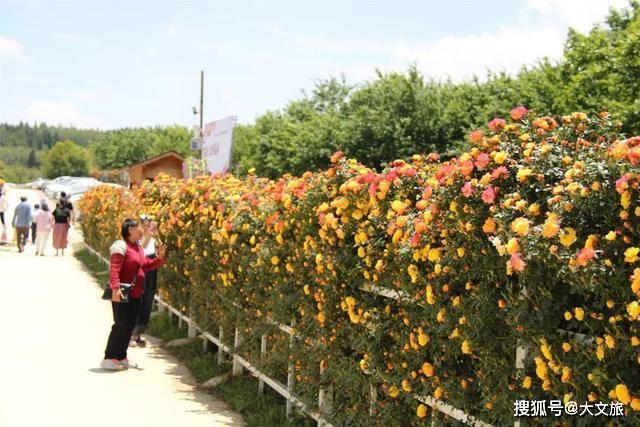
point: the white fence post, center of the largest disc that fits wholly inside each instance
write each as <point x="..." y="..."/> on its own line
<point x="221" y="338"/>
<point x="373" y="399"/>
<point x="263" y="352"/>
<point x="191" y="332"/>
<point x="237" y="366"/>
<point x="290" y="372"/>
<point x="325" y="403"/>
<point x="161" y="308"/>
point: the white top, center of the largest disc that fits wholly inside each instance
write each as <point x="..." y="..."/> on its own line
<point x="150" y="248"/>
<point x="4" y="204"/>
<point x="118" y="247"/>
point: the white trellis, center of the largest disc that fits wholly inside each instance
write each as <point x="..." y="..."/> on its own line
<point x="325" y="396"/>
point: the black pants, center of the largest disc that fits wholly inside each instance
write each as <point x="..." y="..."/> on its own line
<point x="33" y="233"/>
<point x="2" y="218"/>
<point x="124" y="320"/>
<point x="146" y="303"/>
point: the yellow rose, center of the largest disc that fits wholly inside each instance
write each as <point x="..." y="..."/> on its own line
<point x="634" y="310"/>
<point x="631" y="254"/>
<point x="394" y="391"/>
<point x="579" y="313"/>
<point x="523" y="174"/>
<point x="428" y="369"/>
<point x="610" y="341"/>
<point x="500" y="157"/>
<point x="520" y="226"/>
<point x="568" y="236"/>
<point x="622" y="394"/>
<point x="421" y="412"/>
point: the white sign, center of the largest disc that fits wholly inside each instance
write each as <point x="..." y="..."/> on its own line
<point x="216" y="144"/>
<point x="196" y="144"/>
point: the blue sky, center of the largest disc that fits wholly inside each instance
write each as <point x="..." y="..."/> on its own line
<point x="111" y="64"/>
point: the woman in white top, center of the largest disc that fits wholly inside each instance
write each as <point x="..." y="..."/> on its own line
<point x="148" y="243"/>
<point x="4" y="206"/>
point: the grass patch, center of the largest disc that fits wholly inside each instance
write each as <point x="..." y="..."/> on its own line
<point x="161" y="326"/>
<point x="95" y="265"/>
<point x="240" y="393"/>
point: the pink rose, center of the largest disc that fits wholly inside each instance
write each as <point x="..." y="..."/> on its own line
<point x="500" y="171"/>
<point x="489" y="195"/>
<point x="517" y="263"/>
<point x="518" y="113"/>
<point x="497" y="124"/>
<point x="467" y="190"/>
<point x="482" y="161"/>
<point x="476" y="136"/>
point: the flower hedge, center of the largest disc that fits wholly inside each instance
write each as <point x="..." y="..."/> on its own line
<point x="529" y="238"/>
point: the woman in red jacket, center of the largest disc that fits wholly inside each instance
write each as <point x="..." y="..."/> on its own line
<point x="128" y="264"/>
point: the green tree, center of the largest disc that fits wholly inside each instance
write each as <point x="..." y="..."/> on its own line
<point x="32" y="161"/>
<point x="66" y="158"/>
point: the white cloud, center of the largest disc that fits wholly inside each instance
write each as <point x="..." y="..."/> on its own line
<point x="58" y="113"/>
<point x="11" y="48"/>
<point x="274" y="29"/>
<point x="460" y="57"/>
<point x="71" y="38"/>
<point x="174" y="30"/>
<point x="579" y="14"/>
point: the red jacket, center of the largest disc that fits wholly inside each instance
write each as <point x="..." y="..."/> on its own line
<point x="126" y="259"/>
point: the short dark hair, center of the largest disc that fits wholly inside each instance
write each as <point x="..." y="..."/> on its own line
<point x="63" y="194"/>
<point x="127" y="225"/>
<point x="45" y="207"/>
<point x="23" y="198"/>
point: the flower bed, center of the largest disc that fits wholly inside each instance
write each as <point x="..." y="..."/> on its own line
<point x="529" y="239"/>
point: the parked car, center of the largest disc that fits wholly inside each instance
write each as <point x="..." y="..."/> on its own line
<point x="78" y="186"/>
<point x="39" y="183"/>
<point x="65" y="183"/>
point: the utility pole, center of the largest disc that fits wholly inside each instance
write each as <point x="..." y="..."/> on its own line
<point x="201" y="100"/>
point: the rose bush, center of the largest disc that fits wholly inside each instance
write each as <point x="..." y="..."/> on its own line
<point x="530" y="238"/>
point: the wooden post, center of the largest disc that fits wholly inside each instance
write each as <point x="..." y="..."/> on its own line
<point x="161" y="308"/>
<point x="290" y="372"/>
<point x="220" y="337"/>
<point x="179" y="322"/>
<point x="325" y="403"/>
<point x="237" y="366"/>
<point x="263" y="352"/>
<point x="205" y="344"/>
<point x="191" y="332"/>
<point x="373" y="399"/>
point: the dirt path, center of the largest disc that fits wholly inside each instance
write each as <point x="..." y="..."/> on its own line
<point x="54" y="328"/>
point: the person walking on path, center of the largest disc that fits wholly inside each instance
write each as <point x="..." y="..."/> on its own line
<point x="44" y="222"/>
<point x="21" y="222"/>
<point x="127" y="267"/>
<point x="61" y="216"/>
<point x="36" y="209"/>
<point x="148" y="243"/>
<point x="67" y="204"/>
<point x="4" y="206"/>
